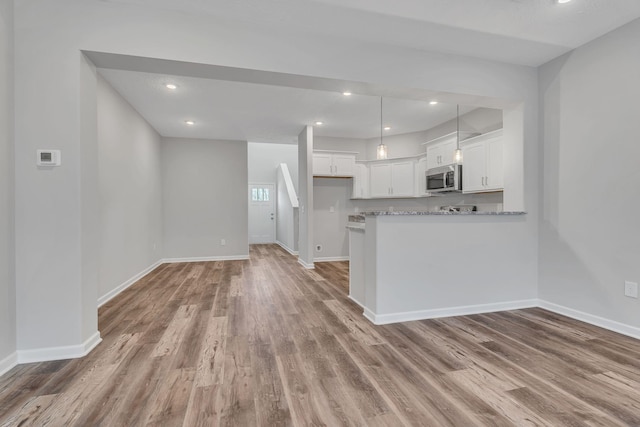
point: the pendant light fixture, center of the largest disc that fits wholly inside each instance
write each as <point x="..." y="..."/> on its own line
<point x="457" y="155"/>
<point x="381" y="152"/>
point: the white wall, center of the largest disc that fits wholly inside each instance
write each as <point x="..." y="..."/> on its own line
<point x="287" y="213"/>
<point x="590" y="234"/>
<point x="264" y="159"/>
<point x="51" y="292"/>
<point x="130" y="189"/>
<point x="342" y="144"/>
<point x="205" y="198"/>
<point x="7" y="254"/>
<point x="331" y="208"/>
<point x="480" y="120"/>
<point x="329" y="227"/>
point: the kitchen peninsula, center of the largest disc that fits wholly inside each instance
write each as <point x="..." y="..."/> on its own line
<point x="414" y="265"/>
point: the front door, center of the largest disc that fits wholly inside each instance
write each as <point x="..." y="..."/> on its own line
<point x="262" y="214"/>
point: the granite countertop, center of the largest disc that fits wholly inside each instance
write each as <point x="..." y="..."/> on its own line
<point x="400" y="213"/>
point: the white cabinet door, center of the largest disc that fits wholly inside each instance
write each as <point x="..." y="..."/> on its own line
<point x="433" y="156"/>
<point x="483" y="168"/>
<point x="322" y="164"/>
<point x="473" y="167"/>
<point x="361" y="182"/>
<point x="441" y="153"/>
<point x="380" y="180"/>
<point x="343" y="164"/>
<point x="495" y="169"/>
<point x="402" y="178"/>
<point x="333" y="164"/>
<point x="421" y="181"/>
<point x="447" y="150"/>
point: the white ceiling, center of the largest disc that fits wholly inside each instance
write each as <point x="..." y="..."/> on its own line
<point x="224" y="106"/>
<point x="527" y="32"/>
<point x="266" y="113"/>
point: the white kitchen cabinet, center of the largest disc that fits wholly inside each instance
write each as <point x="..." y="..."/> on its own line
<point x="483" y="168"/>
<point x="380" y="180"/>
<point x="440" y="151"/>
<point x="421" y="181"/>
<point x="328" y="163"/>
<point x="361" y="181"/>
<point x="441" y="154"/>
<point x="392" y="179"/>
<point x="402" y="178"/>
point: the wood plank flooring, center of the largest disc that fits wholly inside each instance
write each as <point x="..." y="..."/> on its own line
<point x="265" y="342"/>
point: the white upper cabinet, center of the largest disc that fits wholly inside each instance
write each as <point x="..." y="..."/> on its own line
<point x="361" y="182"/>
<point x="392" y="179"/>
<point x="421" y="182"/>
<point x="482" y="167"/>
<point x="380" y="180"/>
<point x="402" y="178"/>
<point x="322" y="164"/>
<point x="333" y="163"/>
<point x="440" y="151"/>
<point x="344" y="164"/>
<point x="440" y="154"/>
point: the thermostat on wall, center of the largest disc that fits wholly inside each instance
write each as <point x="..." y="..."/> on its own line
<point x="48" y="158"/>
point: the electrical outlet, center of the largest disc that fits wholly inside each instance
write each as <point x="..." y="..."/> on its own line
<point x="223" y="242"/>
<point x="332" y="209"/>
<point x="631" y="289"/>
<point x="318" y="248"/>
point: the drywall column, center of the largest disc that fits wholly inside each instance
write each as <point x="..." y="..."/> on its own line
<point x="305" y="194"/>
<point x="7" y="254"/>
<point x="514" y="167"/>
<point x="56" y="207"/>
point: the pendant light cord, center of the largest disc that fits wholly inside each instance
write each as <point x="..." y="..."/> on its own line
<point x="381" y="125"/>
<point x="458" y="126"/>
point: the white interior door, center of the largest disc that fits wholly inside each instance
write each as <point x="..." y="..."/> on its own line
<point x="262" y="214"/>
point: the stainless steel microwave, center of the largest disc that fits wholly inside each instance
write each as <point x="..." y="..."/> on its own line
<point x="444" y="179"/>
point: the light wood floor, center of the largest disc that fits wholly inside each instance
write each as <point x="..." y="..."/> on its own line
<point x="265" y="342"/>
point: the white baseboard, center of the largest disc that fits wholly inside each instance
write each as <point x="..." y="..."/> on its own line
<point x="356" y="301"/>
<point x="331" y="259"/>
<point x="611" y="325"/>
<point x="206" y="258"/>
<point x="287" y="248"/>
<point x="407" y="316"/>
<point x="368" y="314"/>
<point x="59" y="353"/>
<point x="8" y="363"/>
<point x="113" y="293"/>
<point x="305" y="265"/>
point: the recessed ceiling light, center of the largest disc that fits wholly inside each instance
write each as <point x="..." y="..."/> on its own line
<point x="190" y="122"/>
<point x="563" y="1"/>
<point x="171" y="86"/>
<point x="433" y="103"/>
<point x="319" y="123"/>
<point x="387" y="128"/>
<point x="346" y="93"/>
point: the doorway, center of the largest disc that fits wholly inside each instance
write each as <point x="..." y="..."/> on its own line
<point x="262" y="213"/>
